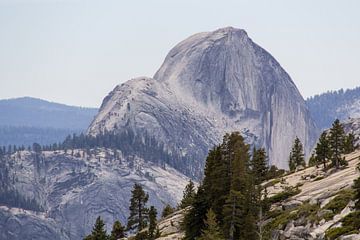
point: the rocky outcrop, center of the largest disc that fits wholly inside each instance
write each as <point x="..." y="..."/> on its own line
<point x="317" y="185"/>
<point x="170" y="227"/>
<point x="316" y="189"/>
<point x="350" y="237"/>
<point x="18" y="223"/>
<point x="74" y="188"/>
<point x="210" y="84"/>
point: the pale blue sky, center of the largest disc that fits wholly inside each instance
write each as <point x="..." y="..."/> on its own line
<point x="76" y="51"/>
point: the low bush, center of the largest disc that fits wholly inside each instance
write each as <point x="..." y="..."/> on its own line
<point x="281" y="218"/>
<point x="334" y="233"/>
<point x="350" y="225"/>
<point x="352" y="220"/>
<point x="287" y="193"/>
<point x="272" y="183"/>
<point x="319" y="178"/>
<point x="309" y="211"/>
<point x="337" y="204"/>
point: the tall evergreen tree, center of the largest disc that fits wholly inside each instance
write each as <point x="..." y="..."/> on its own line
<point x="139" y="213"/>
<point x="259" y="165"/>
<point x="336" y="141"/>
<point x="323" y="150"/>
<point x="152" y="223"/>
<point x="296" y="157"/>
<point x="216" y="181"/>
<point x="118" y="231"/>
<point x="98" y="232"/>
<point x="188" y="195"/>
<point x="258" y="207"/>
<point x="263" y="210"/>
<point x="233" y="214"/>
<point x="313" y="161"/>
<point x="241" y="189"/>
<point x="212" y="230"/>
<point x="193" y="220"/>
<point x="229" y="190"/>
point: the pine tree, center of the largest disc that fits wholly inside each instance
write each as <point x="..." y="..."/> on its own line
<point x="349" y="144"/>
<point x="188" y="195"/>
<point x="229" y="190"/>
<point x="296" y="157"/>
<point x="212" y="230"/>
<point x="167" y="211"/>
<point x="152" y="223"/>
<point x="193" y="220"/>
<point x="322" y="150"/>
<point x="118" y="231"/>
<point x="313" y="161"/>
<point x="98" y="232"/>
<point x="336" y="141"/>
<point x="138" y="218"/>
<point x="233" y="214"/>
<point x="241" y="187"/>
<point x="259" y="165"/>
<point x="257" y="207"/>
<point x="216" y="181"/>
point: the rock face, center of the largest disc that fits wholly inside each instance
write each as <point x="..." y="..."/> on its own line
<point x="317" y="189"/>
<point x="317" y="185"/>
<point x="170" y="227"/>
<point x="210" y="84"/>
<point x="73" y="190"/>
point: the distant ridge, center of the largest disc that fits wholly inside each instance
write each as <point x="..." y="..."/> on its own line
<point x="34" y="112"/>
<point x="26" y="120"/>
<point x="326" y="107"/>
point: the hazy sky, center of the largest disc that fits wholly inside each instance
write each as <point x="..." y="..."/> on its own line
<point x="76" y="51"/>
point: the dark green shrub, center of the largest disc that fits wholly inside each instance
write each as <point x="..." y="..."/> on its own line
<point x="272" y="183"/>
<point x="289" y="192"/>
<point x="352" y="220"/>
<point x="334" y="233"/>
<point x="340" y="201"/>
<point x="319" y="178"/>
<point x="350" y="225"/>
<point x="309" y="211"/>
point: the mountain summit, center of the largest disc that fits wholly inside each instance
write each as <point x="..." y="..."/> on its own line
<point x="209" y="84"/>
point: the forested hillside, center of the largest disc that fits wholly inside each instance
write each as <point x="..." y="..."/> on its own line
<point x="21" y="135"/>
<point x="327" y="107"/>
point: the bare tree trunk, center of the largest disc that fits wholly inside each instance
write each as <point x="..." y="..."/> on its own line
<point x="260" y="225"/>
<point x="232" y="224"/>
